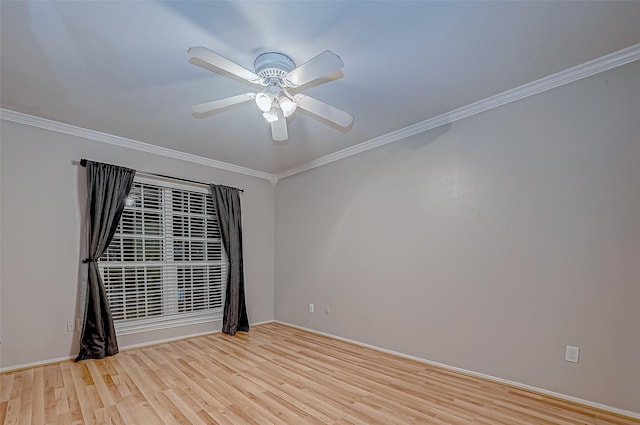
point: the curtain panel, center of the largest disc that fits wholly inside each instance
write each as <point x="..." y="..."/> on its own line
<point x="107" y="190"/>
<point x="227" y="203"/>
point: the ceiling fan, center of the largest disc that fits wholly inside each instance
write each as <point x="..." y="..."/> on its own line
<point x="278" y="78"/>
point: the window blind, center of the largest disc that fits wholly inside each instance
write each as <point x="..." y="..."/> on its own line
<point x="166" y="260"/>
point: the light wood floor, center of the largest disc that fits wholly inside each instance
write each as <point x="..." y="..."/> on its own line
<point x="272" y="375"/>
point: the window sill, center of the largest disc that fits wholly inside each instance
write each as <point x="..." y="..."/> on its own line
<point x="135" y="326"/>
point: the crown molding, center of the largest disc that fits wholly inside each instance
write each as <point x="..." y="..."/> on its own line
<point x="18" y="117"/>
<point x="587" y="69"/>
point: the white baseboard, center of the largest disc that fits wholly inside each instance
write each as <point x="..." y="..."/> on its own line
<point x="263" y="323"/>
<point x="122" y="348"/>
<point x="476" y="374"/>
<point x="178" y="338"/>
<point x="373" y="347"/>
<point x="35" y="364"/>
<point x="162" y="341"/>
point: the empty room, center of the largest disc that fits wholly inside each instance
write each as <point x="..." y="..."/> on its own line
<point x="319" y="212"/>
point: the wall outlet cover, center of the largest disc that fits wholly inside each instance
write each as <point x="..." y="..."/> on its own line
<point x="572" y="354"/>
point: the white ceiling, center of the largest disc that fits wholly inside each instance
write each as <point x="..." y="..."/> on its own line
<point x="122" y="67"/>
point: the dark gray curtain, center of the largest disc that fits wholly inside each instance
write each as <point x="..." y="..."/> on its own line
<point x="227" y="203"/>
<point x="107" y="190"/>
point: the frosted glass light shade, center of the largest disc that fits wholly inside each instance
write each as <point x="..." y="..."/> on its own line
<point x="271" y="115"/>
<point x="264" y="102"/>
<point x="287" y="105"/>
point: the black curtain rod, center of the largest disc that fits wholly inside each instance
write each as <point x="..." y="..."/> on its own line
<point x="83" y="162"/>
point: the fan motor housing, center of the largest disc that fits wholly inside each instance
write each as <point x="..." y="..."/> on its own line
<point x="273" y="65"/>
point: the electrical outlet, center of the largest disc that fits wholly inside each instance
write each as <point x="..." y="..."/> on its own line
<point x="312" y="308"/>
<point x="71" y="325"/>
<point x="572" y="354"/>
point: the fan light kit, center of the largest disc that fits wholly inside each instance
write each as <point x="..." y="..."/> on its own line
<point x="279" y="77"/>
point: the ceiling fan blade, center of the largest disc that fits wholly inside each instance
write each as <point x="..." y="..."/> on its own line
<point x="279" y="131"/>
<point x="222" y="103"/>
<point x="223" y="63"/>
<point x="325" y="63"/>
<point x="324" y="110"/>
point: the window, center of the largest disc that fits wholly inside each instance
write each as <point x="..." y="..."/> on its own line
<point x="165" y="265"/>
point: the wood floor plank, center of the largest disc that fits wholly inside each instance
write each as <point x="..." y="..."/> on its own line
<point x="100" y="385"/>
<point x="37" y="397"/>
<point x="274" y="375"/>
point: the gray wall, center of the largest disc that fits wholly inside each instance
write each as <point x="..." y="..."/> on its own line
<point x="42" y="195"/>
<point x="488" y="245"/>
